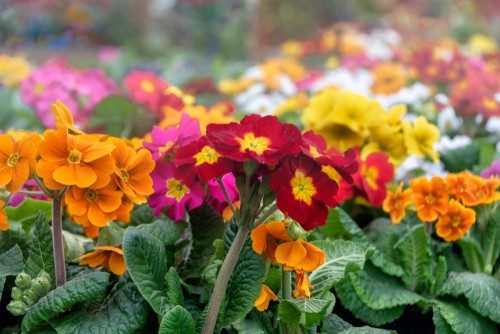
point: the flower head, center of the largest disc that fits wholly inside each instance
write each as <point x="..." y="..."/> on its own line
<point x="300" y="256"/>
<point x="389" y="78"/>
<point x="109" y="257"/>
<point x="302" y="285"/>
<point x="375" y="172"/>
<point x="266" y="295"/>
<point x="396" y="202"/>
<point x="420" y="138"/>
<point x="456" y="222"/>
<point x="145" y="87"/>
<point x="17" y="162"/>
<point x="430" y="197"/>
<point x="265" y="238"/>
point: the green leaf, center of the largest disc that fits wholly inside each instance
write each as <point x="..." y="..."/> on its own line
<point x="472" y="253"/>
<point x="273" y="279"/>
<point x="41" y="254"/>
<point x="463" y="320"/>
<point x="381" y="291"/>
<point x="289" y="313"/>
<point x="78" y="290"/>
<point x="245" y="283"/>
<point x="342" y="256"/>
<point x="312" y="310"/>
<point x="206" y="226"/>
<point x="113" y="116"/>
<point x="147" y="264"/>
<point x="461" y="158"/>
<point x="164" y="229"/>
<point x="177" y="320"/>
<point x="110" y="235"/>
<point x="440" y="324"/>
<point x="124" y="311"/>
<point x="416" y="257"/>
<point x="11" y="262"/>
<point x="441" y="272"/>
<point x="491" y="239"/>
<point x="174" y="289"/>
<point x="482" y="292"/>
<point x="142" y="214"/>
<point x="75" y="245"/>
<point x="2" y="284"/>
<point x="15" y="235"/>
<point x="366" y="330"/>
<point x="340" y="224"/>
<point x="486" y="154"/>
<point x="26" y="213"/>
<point x="334" y="324"/>
<point x="248" y="326"/>
<point x="351" y="301"/>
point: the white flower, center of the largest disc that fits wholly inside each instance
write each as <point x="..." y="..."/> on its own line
<point x="493" y="124"/>
<point x="446" y="144"/>
<point x="358" y="81"/>
<point x="414" y="95"/>
<point x="413" y="167"/>
<point x="448" y="120"/>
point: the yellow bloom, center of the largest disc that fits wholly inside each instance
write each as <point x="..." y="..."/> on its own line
<point x="384" y="139"/>
<point x="13" y="70"/>
<point x="231" y="87"/>
<point x="480" y="44"/>
<point x="420" y="138"/>
<point x="296" y="103"/>
<point x="292" y="48"/>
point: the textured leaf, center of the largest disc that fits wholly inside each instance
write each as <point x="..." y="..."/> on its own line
<point x="311" y="310"/>
<point x="385" y="236"/>
<point x="174" y="289"/>
<point x="41" y="255"/>
<point x="339" y="223"/>
<point x="440" y="324"/>
<point x="289" y="313"/>
<point x="15" y="235"/>
<point x="78" y="290"/>
<point x="11" y="262"/>
<point x="416" y="257"/>
<point x="342" y="256"/>
<point x="366" y="330"/>
<point x="334" y="324"/>
<point x="462" y="158"/>
<point x="147" y="264"/>
<point x="164" y="229"/>
<point x="351" y="301"/>
<point x="381" y="291"/>
<point x="124" y="312"/>
<point x="472" y="253"/>
<point x="245" y="283"/>
<point x="2" y="284"/>
<point x="482" y="292"/>
<point x="463" y="320"/>
<point x="177" y="321"/>
<point x="110" y="235"/>
<point x="491" y="239"/>
<point x="26" y="213"/>
<point x="248" y="326"/>
<point x="142" y="214"/>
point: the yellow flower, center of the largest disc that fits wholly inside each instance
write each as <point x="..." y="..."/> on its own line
<point x="231" y="87"/>
<point x="480" y="44"/>
<point x="293" y="104"/>
<point x="384" y="139"/>
<point x="292" y="48"/>
<point x="420" y="138"/>
<point x="13" y="70"/>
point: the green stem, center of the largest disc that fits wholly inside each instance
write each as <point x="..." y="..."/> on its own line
<point x="286" y="292"/>
<point x="222" y="279"/>
<point x="31" y="193"/>
<point x="57" y="240"/>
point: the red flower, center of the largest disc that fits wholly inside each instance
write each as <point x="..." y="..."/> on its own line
<point x="303" y="191"/>
<point x="263" y="139"/>
<point x="208" y="163"/>
<point x="145" y="87"/>
<point x="375" y="172"/>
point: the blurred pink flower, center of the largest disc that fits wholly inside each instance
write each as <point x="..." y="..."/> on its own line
<point x="108" y="54"/>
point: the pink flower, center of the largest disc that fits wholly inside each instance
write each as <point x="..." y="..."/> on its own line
<point x="108" y="54"/>
<point x="17" y="199"/>
<point x="174" y="187"/>
<point x="145" y="87"/>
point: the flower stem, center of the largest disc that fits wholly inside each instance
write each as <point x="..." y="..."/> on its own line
<point x="228" y="199"/>
<point x="286" y="283"/>
<point x="57" y="240"/>
<point x="266" y="215"/>
<point x="222" y="279"/>
<point x="31" y="193"/>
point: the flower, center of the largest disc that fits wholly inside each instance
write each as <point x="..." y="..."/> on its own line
<point x="299" y="255"/>
<point x="132" y="171"/>
<point x="396" y="202"/>
<point x="109" y="257"/>
<point x="430" y="197"/>
<point x="263" y="139"/>
<point x="374" y="173"/>
<point x="266" y="295"/>
<point x="4" y="223"/>
<point x="420" y="138"/>
<point x="456" y="222"/>
<point x="145" y="87"/>
<point x="81" y="160"/>
<point x="481" y="191"/>
<point x="93" y="206"/>
<point x="64" y="119"/>
<point x="302" y="285"/>
<point x="389" y="78"/>
<point x="493" y="170"/>
<point x="13" y="70"/>
<point x="265" y="238"/>
<point x="216" y="197"/>
<point x="303" y="191"/>
<point x="17" y="161"/>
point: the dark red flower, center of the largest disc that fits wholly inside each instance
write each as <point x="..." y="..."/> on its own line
<point x="374" y="173"/>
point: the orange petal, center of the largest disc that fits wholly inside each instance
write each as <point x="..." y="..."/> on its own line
<point x="277" y="230"/>
<point x="290" y="253"/>
<point x="117" y="264"/>
<point x="97" y="217"/>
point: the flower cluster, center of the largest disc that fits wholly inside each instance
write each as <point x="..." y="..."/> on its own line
<point x="448" y="200"/>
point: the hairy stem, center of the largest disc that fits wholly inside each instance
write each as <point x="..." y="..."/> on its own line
<point x="57" y="240"/>
<point x="228" y="199"/>
<point x="222" y="279"/>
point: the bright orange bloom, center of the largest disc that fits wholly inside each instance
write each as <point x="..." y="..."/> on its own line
<point x="302" y="286"/>
<point x="482" y="191"/>
<point x="266" y="295"/>
<point x="227" y="214"/>
<point x="460" y="185"/>
<point x="123" y="212"/>
<point x="132" y="171"/>
<point x="4" y="223"/>
<point x="64" y="118"/>
<point x="395" y="203"/>
<point x="456" y="222"/>
<point x="430" y="197"/>
<point x="91" y="231"/>
<point x="299" y="255"/>
<point x="17" y="162"/>
<point x="81" y="160"/>
<point x="265" y="238"/>
<point x="109" y="257"/>
<point x="94" y="206"/>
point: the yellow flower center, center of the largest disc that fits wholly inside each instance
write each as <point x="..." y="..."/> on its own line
<point x="206" y="155"/>
<point x="314" y="151"/>
<point x="429" y="199"/>
<point x="125" y="176"/>
<point x="147" y="86"/>
<point x="455" y="221"/>
<point x="371" y="175"/>
<point x="303" y="187"/>
<point x="489" y="103"/>
<point x="254" y="144"/>
<point x="74" y="157"/>
<point x="165" y="148"/>
<point x="39" y="88"/>
<point x="176" y="189"/>
<point x="13" y="159"/>
<point x="91" y="196"/>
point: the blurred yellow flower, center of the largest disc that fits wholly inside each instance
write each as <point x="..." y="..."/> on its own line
<point x="13" y="70"/>
<point x="420" y="138"/>
<point x="231" y="87"/>
<point x="480" y="44"/>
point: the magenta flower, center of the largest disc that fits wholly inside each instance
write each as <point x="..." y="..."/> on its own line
<point x="216" y="196"/>
<point x="493" y="170"/>
<point x="174" y="187"/>
<point x="17" y="199"/>
<point x="166" y="142"/>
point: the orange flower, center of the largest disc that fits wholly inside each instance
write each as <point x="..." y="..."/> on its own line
<point x="266" y="295"/>
<point x="430" y="197"/>
<point x="109" y="257"/>
<point x="64" y="118"/>
<point x="227" y="213"/>
<point x="265" y="237"/>
<point x="460" y="185"/>
<point x="302" y="286"/>
<point x="132" y="171"/>
<point x="482" y="191"/>
<point x="456" y="222"/>
<point x="91" y="231"/>
<point x="389" y="78"/>
<point x="395" y="203"/>
<point x="17" y="162"/>
<point x="299" y="255"/>
<point x="123" y="212"/>
<point x="4" y="223"/>
<point x="94" y="206"/>
<point x="81" y="160"/>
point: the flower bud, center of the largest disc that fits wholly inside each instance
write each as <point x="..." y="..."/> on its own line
<point x="45" y="274"/>
<point x="41" y="286"/>
<point x="23" y="281"/>
<point x="30" y="297"/>
<point x="16" y="294"/>
<point x="295" y="231"/>
<point x="17" y="308"/>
